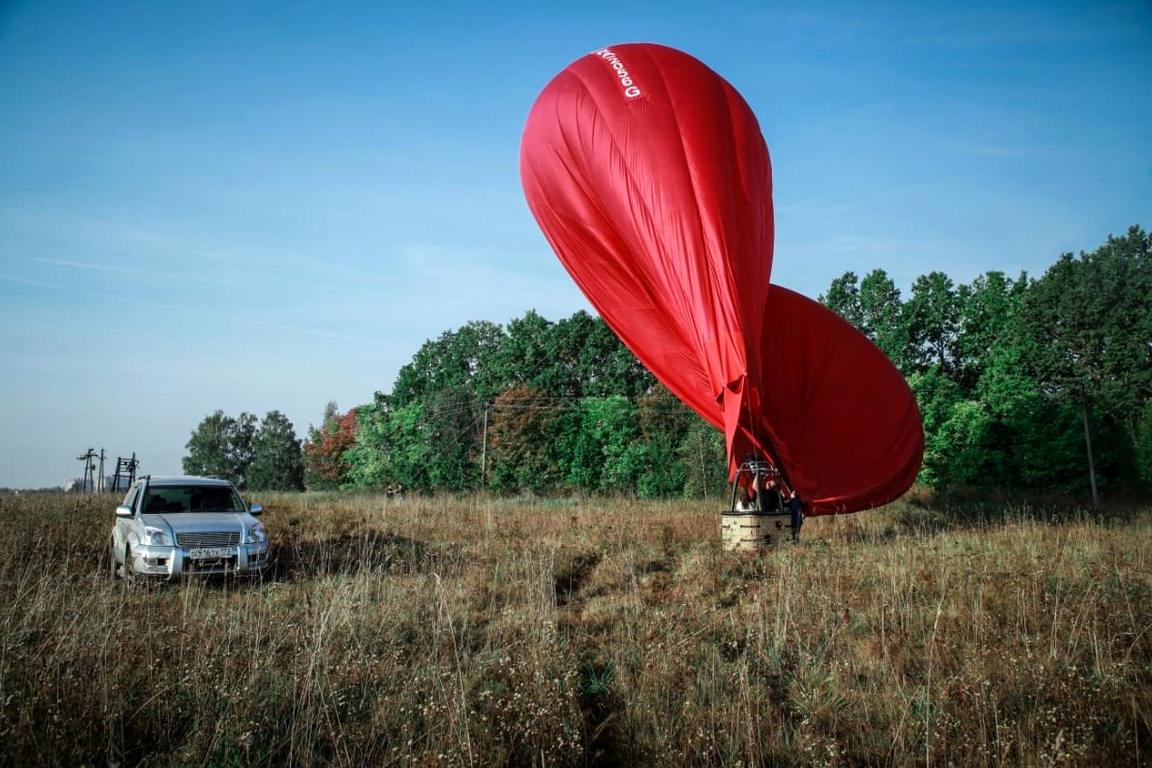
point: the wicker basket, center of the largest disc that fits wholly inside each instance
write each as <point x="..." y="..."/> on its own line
<point x="754" y="530"/>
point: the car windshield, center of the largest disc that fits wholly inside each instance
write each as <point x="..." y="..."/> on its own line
<point x="168" y="499"/>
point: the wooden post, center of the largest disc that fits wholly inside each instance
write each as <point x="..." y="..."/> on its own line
<point x="703" y="468"/>
<point x="484" y="451"/>
<point x="86" y="457"/>
<point x="1088" y="444"/>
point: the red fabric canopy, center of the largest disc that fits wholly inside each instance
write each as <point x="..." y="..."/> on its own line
<point x="649" y="176"/>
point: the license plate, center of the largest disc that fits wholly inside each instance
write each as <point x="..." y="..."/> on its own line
<point x="211" y="553"/>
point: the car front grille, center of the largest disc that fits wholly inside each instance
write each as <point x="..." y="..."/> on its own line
<point x="221" y="539"/>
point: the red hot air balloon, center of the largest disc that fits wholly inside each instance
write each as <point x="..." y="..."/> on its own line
<point x="648" y="174"/>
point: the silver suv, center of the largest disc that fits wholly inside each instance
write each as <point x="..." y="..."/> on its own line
<point x="175" y="526"/>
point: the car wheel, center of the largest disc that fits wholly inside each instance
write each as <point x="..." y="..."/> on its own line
<point x="111" y="567"/>
<point x="128" y="573"/>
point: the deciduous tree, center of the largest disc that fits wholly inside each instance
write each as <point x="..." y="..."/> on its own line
<point x="843" y="298"/>
<point x="883" y="321"/>
<point x="987" y="307"/>
<point x="209" y="447"/>
<point x="932" y="320"/>
<point x="524" y="425"/>
<point x="277" y="460"/>
<point x="325" y="464"/>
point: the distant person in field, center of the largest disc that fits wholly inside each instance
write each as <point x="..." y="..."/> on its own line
<point x="796" y="508"/>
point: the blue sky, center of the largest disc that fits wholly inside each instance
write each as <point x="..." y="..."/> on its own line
<point x="252" y="206"/>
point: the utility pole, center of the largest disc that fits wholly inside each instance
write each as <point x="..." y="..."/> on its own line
<point x="100" y="478"/>
<point x="703" y="469"/>
<point x="484" y="450"/>
<point x="1091" y="463"/>
<point x="125" y="472"/>
<point x="88" y="458"/>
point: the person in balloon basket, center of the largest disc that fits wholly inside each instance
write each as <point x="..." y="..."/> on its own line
<point x="745" y="501"/>
<point x="767" y="493"/>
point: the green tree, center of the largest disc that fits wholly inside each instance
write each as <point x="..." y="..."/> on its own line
<point x="419" y="445"/>
<point x="392" y="447"/>
<point x="1059" y="317"/>
<point x="277" y="459"/>
<point x="1085" y="327"/>
<point x="1144" y="445"/>
<point x="663" y="421"/>
<point x="613" y="423"/>
<point x="963" y="449"/>
<point x="241" y="449"/>
<point x="210" y="448"/>
<point x="599" y="447"/>
<point x="607" y="368"/>
<point x="937" y="395"/>
<point x="524" y="357"/>
<point x="704" y="457"/>
<point x="453" y="421"/>
<point x="450" y="381"/>
<point x="1037" y="438"/>
<point x="221" y="446"/>
<point x="932" y="322"/>
<point x="331" y="413"/>
<point x="1119" y="272"/>
<point x="562" y="374"/>
<point x="464" y="359"/>
<point x="522" y="431"/>
<point x="882" y="313"/>
<point x="422" y="445"/>
<point x="368" y="456"/>
<point x="843" y="298"/>
<point x="987" y="308"/>
<point x="1078" y="336"/>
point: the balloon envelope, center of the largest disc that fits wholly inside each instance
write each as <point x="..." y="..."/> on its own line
<point x="648" y="174"/>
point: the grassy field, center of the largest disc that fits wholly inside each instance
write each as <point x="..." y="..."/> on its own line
<point x="591" y="632"/>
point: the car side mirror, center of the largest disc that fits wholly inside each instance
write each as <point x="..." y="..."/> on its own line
<point x="255" y="509"/>
<point x="123" y="511"/>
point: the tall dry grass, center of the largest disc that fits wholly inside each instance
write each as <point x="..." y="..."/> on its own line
<point x="487" y="632"/>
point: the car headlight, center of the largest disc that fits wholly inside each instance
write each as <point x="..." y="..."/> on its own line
<point x="257" y="534"/>
<point x="155" y="536"/>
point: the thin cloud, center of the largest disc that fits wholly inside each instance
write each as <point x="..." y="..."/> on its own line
<point x="36" y="283"/>
<point x="316" y="332"/>
<point x="1004" y="151"/>
<point x="134" y="271"/>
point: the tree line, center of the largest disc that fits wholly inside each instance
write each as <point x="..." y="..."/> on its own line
<point x="532" y="406"/>
<point x="1023" y="383"/>
<point x="1014" y="377"/>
